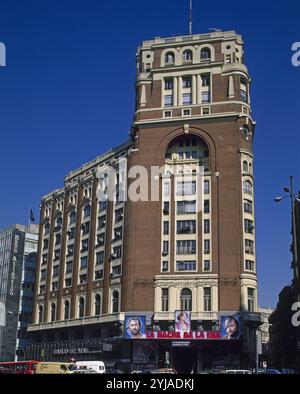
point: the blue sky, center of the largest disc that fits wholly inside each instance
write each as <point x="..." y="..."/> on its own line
<point x="65" y="98"/>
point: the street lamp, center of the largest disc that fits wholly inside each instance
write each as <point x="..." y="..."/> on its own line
<point x="292" y="196"/>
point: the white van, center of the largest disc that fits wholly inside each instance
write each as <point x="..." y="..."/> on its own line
<point x="97" y="366"/>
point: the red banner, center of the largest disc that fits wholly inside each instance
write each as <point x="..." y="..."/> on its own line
<point x="183" y="335"/>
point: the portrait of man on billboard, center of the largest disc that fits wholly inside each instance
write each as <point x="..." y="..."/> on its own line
<point x="135" y="327"/>
<point x="182" y="321"/>
<point x="231" y="327"/>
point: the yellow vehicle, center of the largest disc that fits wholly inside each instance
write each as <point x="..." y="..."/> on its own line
<point x="53" y="368"/>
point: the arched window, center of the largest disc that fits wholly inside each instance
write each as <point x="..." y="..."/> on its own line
<point x="247" y="187"/>
<point x="53" y="311"/>
<point x="186" y="300"/>
<point x="245" y="166"/>
<point x="205" y="53"/>
<point x="67" y="310"/>
<point x="81" y="307"/>
<point x="97" y="304"/>
<point x="170" y="58"/>
<point x="187" y="55"/>
<point x="115" y="302"/>
<point x="189" y="148"/>
<point x="41" y="314"/>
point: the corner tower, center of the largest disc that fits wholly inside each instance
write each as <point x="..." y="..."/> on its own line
<point x="193" y="108"/>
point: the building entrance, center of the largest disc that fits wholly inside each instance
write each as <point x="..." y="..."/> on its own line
<point x="185" y="360"/>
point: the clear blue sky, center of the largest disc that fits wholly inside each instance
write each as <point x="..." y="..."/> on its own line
<point x="67" y="95"/>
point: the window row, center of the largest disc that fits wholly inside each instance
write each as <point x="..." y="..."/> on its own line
<point x="187" y="56"/>
<point x="81" y="308"/>
<point x="185" y="265"/>
<point x="186" y="303"/>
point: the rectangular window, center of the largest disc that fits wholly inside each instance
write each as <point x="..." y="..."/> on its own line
<point x="102" y="206"/>
<point x="186" y="82"/>
<point x="186" y="247"/>
<point x="167" y="114"/>
<point x="248" y="226"/>
<point x="248" y="206"/>
<point x="166" y="228"/>
<point x="100" y="240"/>
<point x="42" y="289"/>
<point x="206" y="265"/>
<point x="206" y="206"/>
<point x="205" y="80"/>
<point x="166" y="207"/>
<point x="205" y="97"/>
<point x="243" y="96"/>
<point x="206" y="226"/>
<point x="186" y="99"/>
<point x="166" y="189"/>
<point x="68" y="282"/>
<point x="117" y="270"/>
<point x="205" y="111"/>
<point x="206" y="187"/>
<point x="249" y="265"/>
<point x="186" y="226"/>
<point x="84" y="245"/>
<point x="118" y="234"/>
<point x="118" y="215"/>
<point x="207" y="299"/>
<point x="249" y="246"/>
<point x="54" y="286"/>
<point x="55" y="271"/>
<point x="165" y="300"/>
<point x="228" y="58"/>
<point x="99" y="275"/>
<point x="101" y="222"/>
<point x="206" y="246"/>
<point x="165" y="266"/>
<point x="117" y="252"/>
<point x="168" y="84"/>
<point x="186" y="265"/>
<point x="186" y="188"/>
<point x="70" y="250"/>
<point x="168" y="100"/>
<point x="82" y="279"/>
<point x="186" y="112"/>
<point x="71" y="233"/>
<point x="43" y="274"/>
<point x="251" y="299"/>
<point x="85" y="228"/>
<point x="69" y="267"/>
<point x="186" y="207"/>
<point x="99" y="258"/>
<point x="87" y="211"/>
<point x="165" y="248"/>
<point x="83" y="262"/>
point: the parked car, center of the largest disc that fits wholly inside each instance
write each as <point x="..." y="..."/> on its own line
<point x="165" y="370"/>
<point x="153" y="371"/>
<point x="83" y="371"/>
<point x="269" y="372"/>
<point x="113" y="371"/>
<point x="238" y="371"/>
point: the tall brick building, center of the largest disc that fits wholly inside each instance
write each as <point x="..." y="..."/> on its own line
<point x="193" y="249"/>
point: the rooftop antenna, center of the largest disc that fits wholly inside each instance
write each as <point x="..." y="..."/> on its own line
<point x="191" y="18"/>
